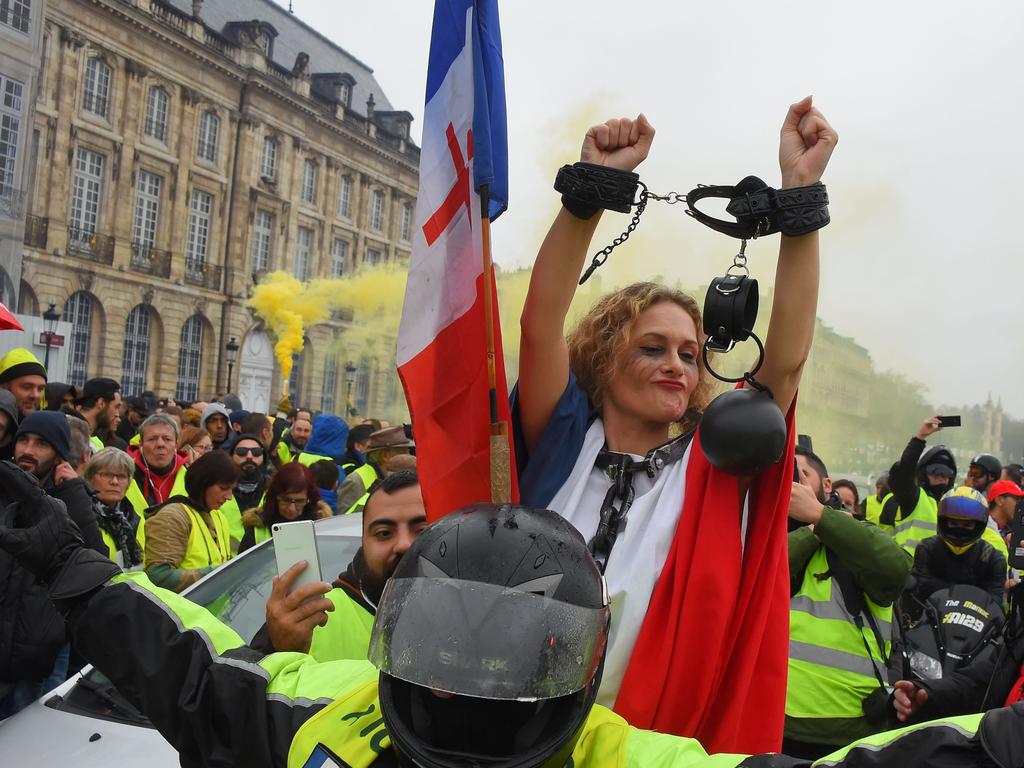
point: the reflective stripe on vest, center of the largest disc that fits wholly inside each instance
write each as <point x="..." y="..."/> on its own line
<point x="830" y="670"/>
<point x="97" y="444"/>
<point x="920" y="524"/>
<point x="201" y="550"/>
<point x="368" y="476"/>
<point x="283" y="453"/>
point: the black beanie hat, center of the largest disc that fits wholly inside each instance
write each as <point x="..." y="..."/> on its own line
<point x="51" y="426"/>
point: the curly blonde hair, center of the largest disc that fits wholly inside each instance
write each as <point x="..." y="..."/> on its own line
<point x="599" y="340"/>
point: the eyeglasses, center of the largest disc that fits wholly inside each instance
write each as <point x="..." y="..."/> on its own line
<point x="289" y="502"/>
<point x="242" y="451"/>
<point x="201" y="448"/>
<point x="111" y="477"/>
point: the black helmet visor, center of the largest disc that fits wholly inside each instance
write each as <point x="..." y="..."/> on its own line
<point x="483" y="640"/>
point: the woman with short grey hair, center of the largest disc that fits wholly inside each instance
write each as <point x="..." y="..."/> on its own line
<point x="109" y="472"/>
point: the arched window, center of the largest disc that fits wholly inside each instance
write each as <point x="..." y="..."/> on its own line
<point x="295" y="378"/>
<point x="96" y="90"/>
<point x="156" y="113"/>
<point x="6" y="290"/>
<point x="78" y="312"/>
<point x="330" y="387"/>
<point x="136" y="351"/>
<point x="190" y="359"/>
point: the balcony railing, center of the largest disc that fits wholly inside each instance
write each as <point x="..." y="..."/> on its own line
<point x="170" y="15"/>
<point x="205" y="275"/>
<point x="36" y="230"/>
<point x="150" y="260"/>
<point x="91" y="245"/>
<point x="12" y="202"/>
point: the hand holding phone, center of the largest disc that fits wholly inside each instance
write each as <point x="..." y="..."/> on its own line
<point x="294" y="542"/>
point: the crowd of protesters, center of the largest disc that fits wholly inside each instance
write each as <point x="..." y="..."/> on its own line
<point x="174" y="489"/>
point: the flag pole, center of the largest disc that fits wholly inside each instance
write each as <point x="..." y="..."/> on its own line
<point x="500" y="463"/>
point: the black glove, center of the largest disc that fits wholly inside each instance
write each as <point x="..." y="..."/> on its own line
<point x="36" y="530"/>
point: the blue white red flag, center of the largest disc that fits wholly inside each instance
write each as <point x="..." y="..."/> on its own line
<point x="442" y="337"/>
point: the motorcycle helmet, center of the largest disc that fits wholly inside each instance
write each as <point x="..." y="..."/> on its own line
<point x="963" y="516"/>
<point x="937" y="460"/>
<point x="490" y="640"/>
<point x="989" y="463"/>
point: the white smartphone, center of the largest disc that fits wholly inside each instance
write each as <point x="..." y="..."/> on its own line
<point x="294" y="542"/>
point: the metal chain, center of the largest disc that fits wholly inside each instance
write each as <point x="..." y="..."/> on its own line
<point x="602" y="256"/>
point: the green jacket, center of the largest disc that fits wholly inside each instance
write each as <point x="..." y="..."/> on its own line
<point x="878" y="565"/>
<point x="259" y="711"/>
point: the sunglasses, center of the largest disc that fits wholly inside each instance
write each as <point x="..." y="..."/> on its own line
<point x="256" y="452"/>
<point x="976" y="472"/>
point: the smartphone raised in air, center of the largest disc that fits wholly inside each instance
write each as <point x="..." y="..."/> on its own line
<point x="294" y="542"/>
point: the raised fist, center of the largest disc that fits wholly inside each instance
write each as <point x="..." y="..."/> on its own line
<point x="805" y="145"/>
<point x="621" y="143"/>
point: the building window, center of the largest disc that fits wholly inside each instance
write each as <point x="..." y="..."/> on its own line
<point x="78" y="312"/>
<point x="10" y="128"/>
<point x="96" y="94"/>
<point x="156" y="113"/>
<point x="295" y="377"/>
<point x="262" y="232"/>
<point x="405" y="231"/>
<point x="303" y="251"/>
<point x="198" y="232"/>
<point x="268" y="160"/>
<point x="377" y="211"/>
<point x="136" y="351"/>
<point x="344" y="94"/>
<point x="147" y="214"/>
<point x="190" y="360"/>
<point x="345" y="197"/>
<point x="209" y="130"/>
<point x="362" y="394"/>
<point x="309" y="182"/>
<point x="373" y="257"/>
<point x="86" y="194"/>
<point x="16" y="14"/>
<point x="339" y="255"/>
<point x="330" y="387"/>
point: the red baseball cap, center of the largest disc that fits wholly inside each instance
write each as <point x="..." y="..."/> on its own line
<point x="1003" y="488"/>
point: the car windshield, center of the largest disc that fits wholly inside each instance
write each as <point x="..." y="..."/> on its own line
<point x="237" y="595"/>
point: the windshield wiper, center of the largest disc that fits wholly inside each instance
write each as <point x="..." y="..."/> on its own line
<point x="103" y="694"/>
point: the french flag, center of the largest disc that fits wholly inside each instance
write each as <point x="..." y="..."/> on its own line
<point x="442" y="339"/>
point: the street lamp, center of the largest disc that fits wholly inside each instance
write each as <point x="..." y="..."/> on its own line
<point x="350" y="379"/>
<point x="232" y="349"/>
<point x="50" y="318"/>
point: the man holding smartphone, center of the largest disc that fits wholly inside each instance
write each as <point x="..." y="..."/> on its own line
<point x="298" y="620"/>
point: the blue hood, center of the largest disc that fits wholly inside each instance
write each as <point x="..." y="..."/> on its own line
<point x="328" y="438"/>
<point x="330" y="498"/>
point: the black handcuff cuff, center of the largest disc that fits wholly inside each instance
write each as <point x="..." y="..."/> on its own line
<point x="731" y="303"/>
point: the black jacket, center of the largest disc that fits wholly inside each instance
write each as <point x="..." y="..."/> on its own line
<point x="31" y="630"/>
<point x="937" y="567"/>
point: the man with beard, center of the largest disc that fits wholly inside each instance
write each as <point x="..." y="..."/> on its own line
<point x="845" y="575"/>
<point x="32" y="641"/>
<point x="294" y="440"/>
<point x="135" y="411"/>
<point x="393" y="517"/>
<point x="249" y="455"/>
<point x="100" y="405"/>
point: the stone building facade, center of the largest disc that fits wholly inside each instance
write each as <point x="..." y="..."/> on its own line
<point x="21" y="35"/>
<point x="183" y="151"/>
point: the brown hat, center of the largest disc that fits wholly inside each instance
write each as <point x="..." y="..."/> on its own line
<point x="389" y="437"/>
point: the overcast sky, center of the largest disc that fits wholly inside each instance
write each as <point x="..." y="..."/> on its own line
<point x="921" y="265"/>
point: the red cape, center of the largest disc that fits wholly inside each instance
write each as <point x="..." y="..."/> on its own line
<point x="711" y="658"/>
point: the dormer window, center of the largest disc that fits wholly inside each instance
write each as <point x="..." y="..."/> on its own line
<point x="344" y="94"/>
